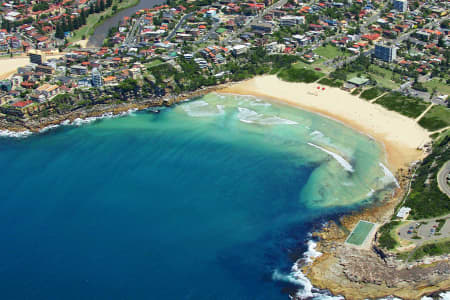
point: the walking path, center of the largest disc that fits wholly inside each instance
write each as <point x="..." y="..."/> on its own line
<point x="440" y="130"/>
<point x="424" y="112"/>
<point x="373" y="100"/>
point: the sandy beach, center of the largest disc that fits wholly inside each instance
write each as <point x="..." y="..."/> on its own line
<point x="401" y="136"/>
<point x="8" y="66"/>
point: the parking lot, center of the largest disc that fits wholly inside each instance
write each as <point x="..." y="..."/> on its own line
<point x="423" y="231"/>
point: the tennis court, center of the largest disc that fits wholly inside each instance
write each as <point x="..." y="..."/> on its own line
<point x="360" y="233"/>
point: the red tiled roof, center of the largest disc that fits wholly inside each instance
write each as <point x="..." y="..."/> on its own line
<point x="22" y="103"/>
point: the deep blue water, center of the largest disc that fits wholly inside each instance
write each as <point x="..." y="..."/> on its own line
<point x="152" y="207"/>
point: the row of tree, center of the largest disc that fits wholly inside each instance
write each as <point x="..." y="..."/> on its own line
<point x="70" y="24"/>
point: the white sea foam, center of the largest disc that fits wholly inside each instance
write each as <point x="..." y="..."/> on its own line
<point x="312" y="253"/>
<point x="317" y="133"/>
<point x="250" y="116"/>
<point x="76" y="122"/>
<point x="345" y="164"/>
<point x="15" y="134"/>
<point x="388" y="176"/>
<point x="258" y="102"/>
<point x="370" y="193"/>
<point x="47" y="128"/>
<point x="203" y="109"/>
<point x="296" y="276"/>
<point x="107" y="115"/>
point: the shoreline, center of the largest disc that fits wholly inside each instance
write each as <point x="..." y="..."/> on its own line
<point x="330" y="236"/>
<point x="399" y="152"/>
<point x="39" y="125"/>
<point x="352" y="272"/>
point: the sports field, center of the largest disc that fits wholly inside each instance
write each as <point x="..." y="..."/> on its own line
<point x="359" y="234"/>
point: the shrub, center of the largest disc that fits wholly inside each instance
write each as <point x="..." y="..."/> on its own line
<point x="299" y="75"/>
<point x="386" y="240"/>
<point x="370" y="94"/>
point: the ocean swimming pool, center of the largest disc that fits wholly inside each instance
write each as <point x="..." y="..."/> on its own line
<point x="360" y="233"/>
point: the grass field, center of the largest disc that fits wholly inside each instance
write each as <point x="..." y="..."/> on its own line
<point x="359" y="234"/>
<point x="436" y="118"/>
<point x="436" y="83"/>
<point x="294" y="74"/>
<point x="311" y="66"/>
<point x="384" y="77"/>
<point x="330" y="51"/>
<point x="331" y="82"/>
<point x="154" y="62"/>
<point x="370" y="94"/>
<point x="410" y="107"/>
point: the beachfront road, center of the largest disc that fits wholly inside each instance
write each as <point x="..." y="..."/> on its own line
<point x="442" y="178"/>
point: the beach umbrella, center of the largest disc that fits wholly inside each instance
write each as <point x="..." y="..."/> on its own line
<point x="318" y="87"/>
<point x="323" y="89"/>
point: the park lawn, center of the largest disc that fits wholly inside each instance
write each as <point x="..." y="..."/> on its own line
<point x="330" y="51"/>
<point x="311" y="66"/>
<point x="384" y="77"/>
<point x="410" y="107"/>
<point x="436" y="83"/>
<point x="153" y="63"/>
<point x="371" y="93"/>
<point x="436" y="118"/>
<point x="94" y="20"/>
<point x="331" y="82"/>
<point x="295" y="74"/>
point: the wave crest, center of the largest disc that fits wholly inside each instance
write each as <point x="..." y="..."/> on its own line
<point x="202" y="108"/>
<point x="345" y="164"/>
<point x="246" y="115"/>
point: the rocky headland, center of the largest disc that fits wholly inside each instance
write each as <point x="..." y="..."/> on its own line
<point x="359" y="273"/>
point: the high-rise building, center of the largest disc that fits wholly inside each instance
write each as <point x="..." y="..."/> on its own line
<point x="385" y="52"/>
<point x="96" y="77"/>
<point x="36" y="58"/>
<point x="401" y="5"/>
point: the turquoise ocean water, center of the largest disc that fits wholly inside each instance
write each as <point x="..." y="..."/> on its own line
<point x="211" y="199"/>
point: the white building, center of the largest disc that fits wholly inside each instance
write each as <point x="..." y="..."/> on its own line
<point x="292" y="20"/>
<point x="400" y="5"/>
<point x="96" y="78"/>
<point x="403" y="212"/>
<point x="239" y="49"/>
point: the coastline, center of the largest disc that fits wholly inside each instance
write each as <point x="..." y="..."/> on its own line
<point x="400" y="136"/>
<point x="343" y="270"/>
<point x="331" y="237"/>
<point x="29" y="126"/>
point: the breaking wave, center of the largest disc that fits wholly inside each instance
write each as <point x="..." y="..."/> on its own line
<point x="203" y="109"/>
<point x="15" y="134"/>
<point x="388" y="176"/>
<point x="75" y="122"/>
<point x="345" y="164"/>
<point x="296" y="276"/>
<point x="246" y="115"/>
